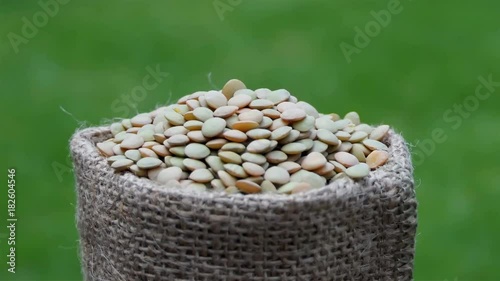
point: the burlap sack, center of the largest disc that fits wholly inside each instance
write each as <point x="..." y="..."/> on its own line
<point x="134" y="229"/>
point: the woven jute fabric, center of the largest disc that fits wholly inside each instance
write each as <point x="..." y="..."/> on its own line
<point x="134" y="229"/>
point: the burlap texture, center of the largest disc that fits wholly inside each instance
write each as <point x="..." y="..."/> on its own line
<point x="134" y="229"/>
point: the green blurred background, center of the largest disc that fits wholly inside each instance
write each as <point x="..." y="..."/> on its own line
<point x="90" y="55"/>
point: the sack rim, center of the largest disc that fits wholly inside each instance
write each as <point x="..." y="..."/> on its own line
<point x="83" y="146"/>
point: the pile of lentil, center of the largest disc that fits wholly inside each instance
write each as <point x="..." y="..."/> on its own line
<point x="241" y="140"/>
